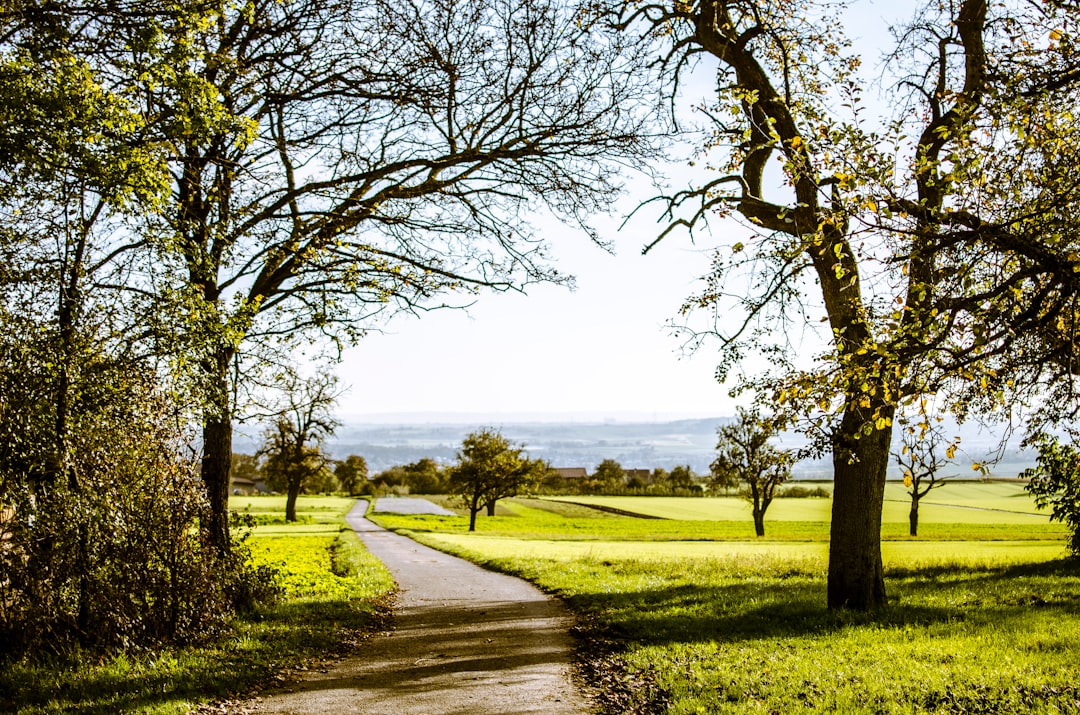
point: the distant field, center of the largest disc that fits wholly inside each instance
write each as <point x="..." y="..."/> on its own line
<point x="953" y="503"/>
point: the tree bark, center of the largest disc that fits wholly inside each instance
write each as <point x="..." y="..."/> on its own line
<point x="290" y="499"/>
<point x="856" y="577"/>
<point x="759" y="522"/>
<point x="913" y="515"/>
<point x="490" y="508"/>
<point x="217" y="454"/>
<point x="217" y="451"/>
<point x="472" y="517"/>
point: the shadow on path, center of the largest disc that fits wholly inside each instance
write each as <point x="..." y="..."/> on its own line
<point x="465" y="640"/>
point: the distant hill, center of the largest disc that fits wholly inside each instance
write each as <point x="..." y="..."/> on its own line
<point x="639" y="445"/>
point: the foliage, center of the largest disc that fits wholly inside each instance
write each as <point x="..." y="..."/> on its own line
<point x="424" y="476"/>
<point x="116" y="558"/>
<point x="747" y="460"/>
<point x="351" y="473"/>
<point x="610" y="473"/>
<point x="261" y="647"/>
<point x="1055" y="483"/>
<point x="490" y="468"/>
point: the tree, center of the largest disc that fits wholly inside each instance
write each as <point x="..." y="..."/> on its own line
<point x="292" y="442"/>
<point x="920" y="462"/>
<point x="1055" y="483"/>
<point x="682" y="478"/>
<point x="337" y="161"/>
<point x="424" y="476"/>
<point x="746" y="458"/>
<point x="609" y="474"/>
<point x="490" y="468"/>
<point x="351" y="473"/>
<point x="935" y="243"/>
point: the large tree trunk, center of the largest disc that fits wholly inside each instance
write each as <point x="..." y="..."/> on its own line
<point x="490" y="508"/>
<point x="856" y="578"/>
<point x="217" y="451"/>
<point x="217" y="454"/>
<point x="913" y="515"/>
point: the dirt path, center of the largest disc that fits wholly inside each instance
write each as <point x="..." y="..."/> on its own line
<point x="465" y="640"/>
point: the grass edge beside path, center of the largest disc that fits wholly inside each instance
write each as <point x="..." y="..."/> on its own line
<point x="335" y="594"/>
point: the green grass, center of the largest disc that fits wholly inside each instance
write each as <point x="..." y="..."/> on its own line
<point x="333" y="588"/>
<point x="704" y="618"/>
<point x="953" y="503"/>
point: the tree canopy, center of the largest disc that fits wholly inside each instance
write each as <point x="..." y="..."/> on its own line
<point x="490" y="468"/>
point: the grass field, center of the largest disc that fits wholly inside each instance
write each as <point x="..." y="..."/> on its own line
<point x="698" y="616"/>
<point x="332" y="588"/>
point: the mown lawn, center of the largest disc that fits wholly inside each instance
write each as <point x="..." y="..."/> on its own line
<point x="730" y="624"/>
<point x="332" y="589"/>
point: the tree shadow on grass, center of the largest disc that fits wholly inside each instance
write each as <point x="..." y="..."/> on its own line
<point x="796" y="606"/>
<point x="260" y="646"/>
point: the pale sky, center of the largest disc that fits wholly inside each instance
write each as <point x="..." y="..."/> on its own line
<point x="599" y="352"/>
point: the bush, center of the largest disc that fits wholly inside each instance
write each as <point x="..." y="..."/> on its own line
<point x="796" y="492"/>
<point x="113" y="556"/>
<point x="1055" y="482"/>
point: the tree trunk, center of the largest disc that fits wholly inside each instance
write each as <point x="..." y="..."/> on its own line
<point x="856" y="578"/>
<point x="490" y="508"/>
<point x="759" y="522"/>
<point x="217" y="449"/>
<point x="472" y="517"/>
<point x="290" y="499"/>
<point x="913" y="515"/>
<point x="217" y="454"/>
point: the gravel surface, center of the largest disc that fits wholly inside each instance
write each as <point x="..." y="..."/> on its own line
<point x="409" y="505"/>
<point x="464" y="641"/>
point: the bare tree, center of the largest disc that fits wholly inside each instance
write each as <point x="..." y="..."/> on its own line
<point x="746" y="459"/>
<point x="920" y="459"/>
<point x="292" y="445"/>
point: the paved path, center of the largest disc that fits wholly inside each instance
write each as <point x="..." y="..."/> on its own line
<point x="465" y="641"/>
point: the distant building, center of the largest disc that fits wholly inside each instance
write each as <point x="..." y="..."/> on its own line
<point x="570" y="472"/>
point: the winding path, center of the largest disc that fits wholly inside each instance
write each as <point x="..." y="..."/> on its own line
<point x="465" y="641"/>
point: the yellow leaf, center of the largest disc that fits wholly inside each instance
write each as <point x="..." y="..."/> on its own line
<point x="1055" y="35"/>
<point x="951" y="451"/>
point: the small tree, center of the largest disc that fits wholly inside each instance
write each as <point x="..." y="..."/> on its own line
<point x="1055" y="482"/>
<point x="351" y="473"/>
<point x="490" y="468"/>
<point x="746" y="458"/>
<point x="609" y="474"/>
<point x="921" y="461"/>
<point x="292" y="444"/>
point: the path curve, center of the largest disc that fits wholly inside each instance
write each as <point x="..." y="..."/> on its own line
<point x="465" y="641"/>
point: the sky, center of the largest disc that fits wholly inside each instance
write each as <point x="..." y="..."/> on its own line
<point x="600" y="352"/>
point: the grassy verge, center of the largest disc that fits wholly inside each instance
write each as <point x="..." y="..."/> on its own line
<point x="972" y="627"/>
<point x="333" y="588"/>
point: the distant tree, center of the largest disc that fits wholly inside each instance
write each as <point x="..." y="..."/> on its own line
<point x="1055" y="482"/>
<point x="490" y="468"/>
<point x="920" y="460"/>
<point x="351" y="473"/>
<point x="682" y="477"/>
<point x="746" y="458"/>
<point x="609" y="474"/>
<point x="292" y="443"/>
<point x="425" y="476"/>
